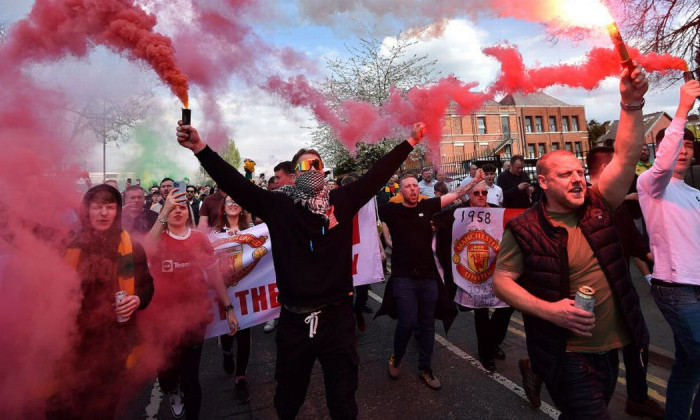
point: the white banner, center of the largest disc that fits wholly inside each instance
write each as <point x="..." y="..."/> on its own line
<point x="246" y="263"/>
<point x="476" y="240"/>
<point x="366" y="257"/>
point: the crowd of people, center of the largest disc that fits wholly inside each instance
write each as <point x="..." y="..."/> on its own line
<point x="151" y="249"/>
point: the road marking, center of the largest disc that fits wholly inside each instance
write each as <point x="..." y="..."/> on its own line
<point x="515" y="388"/>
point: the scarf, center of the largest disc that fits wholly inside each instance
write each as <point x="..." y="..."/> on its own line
<point x="125" y="262"/>
<point x="312" y="192"/>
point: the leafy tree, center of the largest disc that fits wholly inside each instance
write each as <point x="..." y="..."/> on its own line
<point x="373" y="67"/>
<point x="596" y="129"/>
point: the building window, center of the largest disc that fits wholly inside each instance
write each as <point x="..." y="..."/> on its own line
<point x="538" y="124"/>
<point x="531" y="151"/>
<point x="552" y="123"/>
<point x="507" y="152"/>
<point x="482" y="124"/>
<point x="541" y="150"/>
<point x="577" y="148"/>
<point x="567" y="146"/>
<point x="564" y="123"/>
<point x="456" y="125"/>
<point x="574" y="123"/>
<point x="555" y="146"/>
<point x="505" y="124"/>
<point x="528" y="124"/>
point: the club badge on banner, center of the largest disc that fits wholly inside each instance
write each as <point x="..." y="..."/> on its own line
<point x="476" y="241"/>
<point x="245" y="260"/>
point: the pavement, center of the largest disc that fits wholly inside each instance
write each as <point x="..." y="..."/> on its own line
<point x="468" y="390"/>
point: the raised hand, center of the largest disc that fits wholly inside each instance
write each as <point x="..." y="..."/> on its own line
<point x="188" y="137"/>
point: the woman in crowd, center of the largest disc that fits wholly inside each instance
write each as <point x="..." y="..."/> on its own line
<point x="490" y="332"/>
<point x="108" y="261"/>
<point x="233" y="219"/>
<point x="184" y="266"/>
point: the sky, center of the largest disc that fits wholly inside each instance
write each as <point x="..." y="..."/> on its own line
<point x="264" y="126"/>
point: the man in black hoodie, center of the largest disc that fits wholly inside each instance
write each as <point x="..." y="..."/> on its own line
<point x="312" y="230"/>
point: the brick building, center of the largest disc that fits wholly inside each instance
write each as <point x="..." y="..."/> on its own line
<point x="530" y="125"/>
<point x="653" y="123"/>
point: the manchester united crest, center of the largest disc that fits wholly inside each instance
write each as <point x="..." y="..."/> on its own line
<point x="474" y="254"/>
<point x="231" y="256"/>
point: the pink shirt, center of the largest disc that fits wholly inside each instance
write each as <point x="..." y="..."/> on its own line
<point x="671" y="211"/>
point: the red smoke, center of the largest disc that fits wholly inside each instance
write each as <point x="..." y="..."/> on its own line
<point x="359" y="121"/>
<point x="56" y="28"/>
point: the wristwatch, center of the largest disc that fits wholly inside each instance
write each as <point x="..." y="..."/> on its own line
<point x="228" y="308"/>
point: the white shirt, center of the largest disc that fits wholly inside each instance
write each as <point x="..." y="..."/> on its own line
<point x="671" y="211"/>
<point x="467" y="179"/>
<point x="495" y="195"/>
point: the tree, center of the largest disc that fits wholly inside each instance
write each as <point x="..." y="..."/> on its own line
<point x="373" y="67"/>
<point x="596" y="129"/>
<point x="665" y="26"/>
<point x="110" y="121"/>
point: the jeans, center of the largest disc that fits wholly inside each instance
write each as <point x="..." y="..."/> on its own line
<point x="681" y="308"/>
<point x="415" y="300"/>
<point x="490" y="332"/>
<point x="636" y="363"/>
<point x="243" y="340"/>
<point x="586" y="385"/>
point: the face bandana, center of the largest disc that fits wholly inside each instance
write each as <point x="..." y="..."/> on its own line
<point x="311" y="191"/>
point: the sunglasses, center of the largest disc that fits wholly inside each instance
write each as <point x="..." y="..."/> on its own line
<point x="482" y="193"/>
<point x="305" y="165"/>
<point x="230" y="202"/>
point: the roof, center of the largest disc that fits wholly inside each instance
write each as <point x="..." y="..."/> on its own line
<point x="650" y="121"/>
<point x="533" y="99"/>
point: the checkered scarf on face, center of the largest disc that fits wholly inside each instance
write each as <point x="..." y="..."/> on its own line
<point x="311" y="191"/>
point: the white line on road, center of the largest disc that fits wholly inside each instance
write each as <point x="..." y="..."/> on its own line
<point x="515" y="388"/>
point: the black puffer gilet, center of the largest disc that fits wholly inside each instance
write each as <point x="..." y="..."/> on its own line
<point x="546" y="276"/>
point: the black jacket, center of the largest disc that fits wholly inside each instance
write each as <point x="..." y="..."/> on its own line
<point x="313" y="263"/>
<point x="546" y="276"/>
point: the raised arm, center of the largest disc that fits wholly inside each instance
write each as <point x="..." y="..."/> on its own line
<point x="152" y="238"/>
<point x="368" y="184"/>
<point x="250" y="196"/>
<point x="462" y="190"/>
<point x="617" y="176"/>
<point x="656" y="179"/>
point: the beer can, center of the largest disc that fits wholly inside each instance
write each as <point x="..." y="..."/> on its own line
<point x="584" y="298"/>
<point x="118" y="297"/>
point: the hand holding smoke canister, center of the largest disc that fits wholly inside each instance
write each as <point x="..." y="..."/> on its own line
<point x="688" y="76"/>
<point x="620" y="46"/>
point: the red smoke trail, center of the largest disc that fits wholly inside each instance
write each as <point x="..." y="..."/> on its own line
<point x="358" y="121"/>
<point x="219" y="44"/>
<point x="56" y="28"/>
<point x="599" y="64"/>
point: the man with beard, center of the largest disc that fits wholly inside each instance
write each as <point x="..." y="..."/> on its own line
<point x="415" y="294"/>
<point x="568" y="243"/>
<point x="644" y="162"/>
<point x="312" y="227"/>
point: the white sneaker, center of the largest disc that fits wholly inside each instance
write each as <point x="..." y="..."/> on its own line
<point x="177" y="407"/>
<point x="270" y="325"/>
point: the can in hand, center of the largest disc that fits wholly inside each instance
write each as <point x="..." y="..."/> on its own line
<point x="584" y="298"/>
<point x="118" y="297"/>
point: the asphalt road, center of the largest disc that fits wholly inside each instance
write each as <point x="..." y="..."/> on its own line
<point x="468" y="391"/>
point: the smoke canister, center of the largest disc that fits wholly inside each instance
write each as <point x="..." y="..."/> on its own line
<point x="584" y="298"/>
<point x="688" y="76"/>
<point x="186" y="116"/>
<point x="118" y="297"/>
